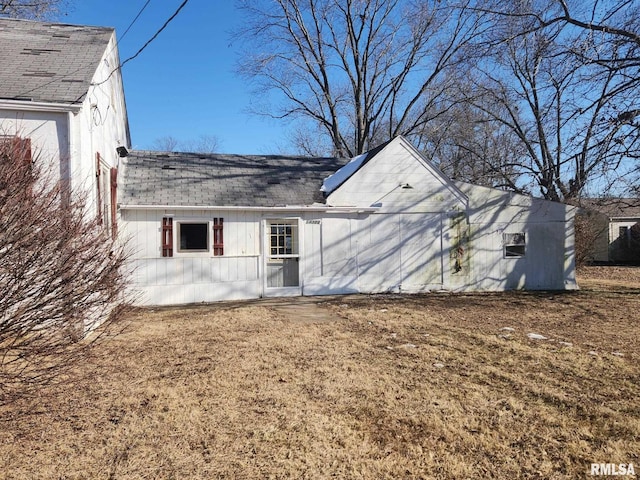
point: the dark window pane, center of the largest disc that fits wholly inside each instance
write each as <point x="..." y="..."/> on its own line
<point x="514" y="251"/>
<point x="193" y="236"/>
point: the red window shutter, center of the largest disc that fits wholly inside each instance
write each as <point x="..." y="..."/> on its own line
<point x="18" y="151"/>
<point x="23" y="148"/>
<point x="114" y="200"/>
<point x="167" y="237"/>
<point x="99" y="202"/>
<point x="218" y="240"/>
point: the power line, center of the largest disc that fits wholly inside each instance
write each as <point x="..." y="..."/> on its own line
<point x="133" y="21"/>
<point x="117" y="43"/>
<point x="175" y="14"/>
<point x="155" y="35"/>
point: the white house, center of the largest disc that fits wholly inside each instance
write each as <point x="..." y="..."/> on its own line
<point x="61" y="93"/>
<point x="213" y="227"/>
<point x="617" y="224"/>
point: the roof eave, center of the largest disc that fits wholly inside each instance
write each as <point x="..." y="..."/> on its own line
<point x="284" y="208"/>
<point x="31" y="106"/>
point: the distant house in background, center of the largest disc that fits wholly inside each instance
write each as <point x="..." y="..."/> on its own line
<point x="618" y="223"/>
<point x="61" y="93"/>
<point x="217" y="227"/>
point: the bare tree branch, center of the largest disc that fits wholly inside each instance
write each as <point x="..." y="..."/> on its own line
<point x="61" y="276"/>
<point x="362" y="70"/>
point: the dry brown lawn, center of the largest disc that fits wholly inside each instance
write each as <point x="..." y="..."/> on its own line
<point x="367" y="387"/>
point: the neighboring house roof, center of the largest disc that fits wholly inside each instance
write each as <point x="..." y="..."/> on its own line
<point x="49" y="62"/>
<point x="613" y="207"/>
<point x="192" y="179"/>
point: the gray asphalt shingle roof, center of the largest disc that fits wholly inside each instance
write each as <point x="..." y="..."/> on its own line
<point x="613" y="207"/>
<point x="192" y="179"/>
<point x="49" y="62"/>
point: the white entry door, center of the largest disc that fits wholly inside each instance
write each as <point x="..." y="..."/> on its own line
<point x="282" y="258"/>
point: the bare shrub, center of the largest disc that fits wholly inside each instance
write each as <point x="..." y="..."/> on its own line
<point x="590" y="232"/>
<point x="61" y="276"/>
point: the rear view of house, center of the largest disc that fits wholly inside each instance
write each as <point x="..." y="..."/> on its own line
<point x="214" y="227"/>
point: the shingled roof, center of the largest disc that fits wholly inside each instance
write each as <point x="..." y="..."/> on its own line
<point x="49" y="62"/>
<point x="192" y="179"/>
<point x="615" y="207"/>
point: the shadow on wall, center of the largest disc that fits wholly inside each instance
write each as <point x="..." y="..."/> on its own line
<point x="455" y="250"/>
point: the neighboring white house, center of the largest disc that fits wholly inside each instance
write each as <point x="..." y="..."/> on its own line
<point x="617" y="223"/>
<point x="214" y="227"/>
<point x="61" y="93"/>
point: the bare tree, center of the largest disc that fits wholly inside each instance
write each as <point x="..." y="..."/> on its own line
<point x="468" y="145"/>
<point x="32" y="9"/>
<point x="203" y="144"/>
<point x="363" y="71"/>
<point x="166" y="144"/>
<point x="562" y="76"/>
<point x="61" y="276"/>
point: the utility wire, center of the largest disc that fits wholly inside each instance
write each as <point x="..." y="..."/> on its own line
<point x="155" y="35"/>
<point x="175" y="14"/>
<point x="127" y="60"/>
<point x="133" y="21"/>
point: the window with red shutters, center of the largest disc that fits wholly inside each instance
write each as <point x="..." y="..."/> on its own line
<point x="99" y="202"/>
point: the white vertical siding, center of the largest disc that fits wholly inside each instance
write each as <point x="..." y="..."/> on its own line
<point x="49" y="135"/>
<point x="380" y="182"/>
<point x="188" y="279"/>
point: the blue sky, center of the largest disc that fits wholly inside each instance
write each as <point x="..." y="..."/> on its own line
<point x="183" y="84"/>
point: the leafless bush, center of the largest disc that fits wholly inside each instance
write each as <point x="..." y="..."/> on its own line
<point x="590" y="232"/>
<point x="61" y="276"/>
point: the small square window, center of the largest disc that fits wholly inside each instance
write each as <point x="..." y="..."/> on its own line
<point x="194" y="237"/>
<point x="514" y="244"/>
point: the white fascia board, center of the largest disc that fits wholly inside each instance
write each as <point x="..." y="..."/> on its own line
<point x="29" y="106"/>
<point x="286" y="208"/>
<point x="630" y="218"/>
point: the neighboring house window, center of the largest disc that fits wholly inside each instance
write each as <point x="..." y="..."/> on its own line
<point x="624" y="233"/>
<point x="514" y="244"/>
<point x="167" y="237"/>
<point x="218" y="238"/>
